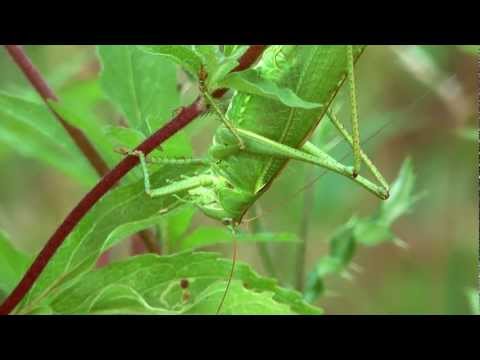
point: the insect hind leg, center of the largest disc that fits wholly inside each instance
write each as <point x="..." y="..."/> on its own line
<point x="354" y="112"/>
<point x="366" y="160"/>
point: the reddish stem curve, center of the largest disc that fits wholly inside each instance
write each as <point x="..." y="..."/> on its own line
<point x="184" y="117"/>
<point x="37" y="81"/>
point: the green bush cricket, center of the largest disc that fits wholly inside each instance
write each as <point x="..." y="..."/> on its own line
<point x="260" y="135"/>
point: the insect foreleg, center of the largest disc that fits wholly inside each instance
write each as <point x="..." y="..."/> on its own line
<point x="178" y="186"/>
<point x="166" y="160"/>
<point x="177" y="161"/>
<point x="224" y="119"/>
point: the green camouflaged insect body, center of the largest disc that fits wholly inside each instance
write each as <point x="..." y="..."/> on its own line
<point x="315" y="74"/>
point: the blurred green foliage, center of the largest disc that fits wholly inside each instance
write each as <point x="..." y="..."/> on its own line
<point x="416" y="102"/>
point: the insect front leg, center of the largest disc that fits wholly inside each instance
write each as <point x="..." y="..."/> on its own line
<point x="165" y="160"/>
<point x="211" y="102"/>
<point x="224" y="119"/>
<point x="178" y="186"/>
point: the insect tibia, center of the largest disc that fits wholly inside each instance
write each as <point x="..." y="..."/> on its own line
<point x="177" y="161"/>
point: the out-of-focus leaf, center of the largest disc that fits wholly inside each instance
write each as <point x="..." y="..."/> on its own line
<point x="181" y="283"/>
<point x="474" y="300"/>
<point x="119" y="213"/>
<point x="468" y="134"/>
<point x="368" y="231"/>
<point x="56" y="78"/>
<point x="251" y="82"/>
<point x="183" y="55"/>
<point x="401" y="195"/>
<point x="470" y="49"/>
<point x="142" y="85"/>
<point x="13" y="264"/>
<point x="205" y="236"/>
<point x="84" y="99"/>
<point x="372" y="233"/>
<point x="32" y="130"/>
<point x="89" y="125"/>
<point x="342" y="244"/>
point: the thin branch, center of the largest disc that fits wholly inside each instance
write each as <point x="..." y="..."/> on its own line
<point x="182" y="119"/>
<point x="37" y="81"/>
<point x="86" y="147"/>
<point x="185" y="116"/>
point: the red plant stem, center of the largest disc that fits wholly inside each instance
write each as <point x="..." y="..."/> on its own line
<point x="36" y="80"/>
<point x="184" y="117"/>
<point x="250" y="56"/>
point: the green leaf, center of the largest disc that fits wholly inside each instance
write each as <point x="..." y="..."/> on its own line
<point x="235" y="51"/>
<point x="239" y="301"/>
<point x="372" y="232"/>
<point x="250" y="81"/>
<point x="183" y="55"/>
<point x="13" y="264"/>
<point x="314" y="287"/>
<point x="217" y="64"/>
<point x="210" y="56"/>
<point x="142" y="85"/>
<point x="126" y="137"/>
<point x="468" y="133"/>
<point x="57" y="77"/>
<point x="181" y="283"/>
<point x="175" y="224"/>
<point x="368" y="231"/>
<point x="342" y="244"/>
<point x="32" y="130"/>
<point x="90" y="126"/>
<point x="122" y="211"/>
<point x="121" y="299"/>
<point x="401" y="195"/>
<point x="205" y="236"/>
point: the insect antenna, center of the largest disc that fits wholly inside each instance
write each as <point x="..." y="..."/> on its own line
<point x="234" y="261"/>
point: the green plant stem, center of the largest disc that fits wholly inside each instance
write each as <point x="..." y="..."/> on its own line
<point x="308" y="202"/>
<point x="256" y="227"/>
